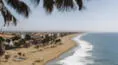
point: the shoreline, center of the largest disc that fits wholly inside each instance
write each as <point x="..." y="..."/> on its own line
<point x="81" y="53"/>
<point x="72" y="47"/>
<point x="48" y="54"/>
<point x="69" y="52"/>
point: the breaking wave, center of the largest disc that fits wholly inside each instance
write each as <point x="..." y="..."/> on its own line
<point x="82" y="53"/>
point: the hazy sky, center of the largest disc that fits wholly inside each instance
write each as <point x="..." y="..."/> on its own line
<point x="99" y="15"/>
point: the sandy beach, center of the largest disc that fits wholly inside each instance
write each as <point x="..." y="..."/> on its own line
<point x="42" y="55"/>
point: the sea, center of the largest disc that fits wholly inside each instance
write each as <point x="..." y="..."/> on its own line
<point x="92" y="49"/>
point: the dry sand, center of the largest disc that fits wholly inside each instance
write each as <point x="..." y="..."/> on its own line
<point x="37" y="57"/>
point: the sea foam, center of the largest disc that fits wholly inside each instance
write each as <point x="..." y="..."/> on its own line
<point x="81" y="53"/>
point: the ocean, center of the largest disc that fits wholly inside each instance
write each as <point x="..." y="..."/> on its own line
<point x="92" y="49"/>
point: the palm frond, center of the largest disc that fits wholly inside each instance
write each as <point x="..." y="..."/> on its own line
<point x="59" y="3"/>
<point x="80" y="4"/>
<point x="48" y="5"/>
<point x="8" y="16"/>
<point x="19" y="6"/>
<point x="64" y="4"/>
<point x="14" y="20"/>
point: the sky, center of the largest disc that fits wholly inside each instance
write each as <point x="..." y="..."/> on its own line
<point x="98" y="16"/>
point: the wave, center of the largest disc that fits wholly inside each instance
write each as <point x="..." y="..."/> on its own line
<point x="81" y="53"/>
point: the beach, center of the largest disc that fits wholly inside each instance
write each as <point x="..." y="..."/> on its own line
<point x="78" y="55"/>
<point x="44" y="54"/>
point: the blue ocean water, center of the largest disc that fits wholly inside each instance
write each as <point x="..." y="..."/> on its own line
<point x="105" y="48"/>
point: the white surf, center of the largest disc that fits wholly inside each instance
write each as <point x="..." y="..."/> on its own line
<point x="82" y="52"/>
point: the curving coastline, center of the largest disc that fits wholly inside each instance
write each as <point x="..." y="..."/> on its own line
<point x="81" y="53"/>
<point x="76" y="56"/>
<point x="67" y="53"/>
<point x="69" y="43"/>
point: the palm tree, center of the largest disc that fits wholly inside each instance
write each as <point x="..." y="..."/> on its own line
<point x="24" y="9"/>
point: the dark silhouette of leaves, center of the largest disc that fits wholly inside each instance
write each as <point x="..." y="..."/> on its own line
<point x="80" y="4"/>
<point x="64" y="4"/>
<point x="19" y="6"/>
<point x="24" y="9"/>
<point x="48" y="5"/>
<point x="8" y="17"/>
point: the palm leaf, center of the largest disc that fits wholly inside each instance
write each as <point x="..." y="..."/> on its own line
<point x="64" y="4"/>
<point x="19" y="6"/>
<point x="59" y="3"/>
<point x="8" y="16"/>
<point x="80" y="4"/>
<point x="48" y="5"/>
